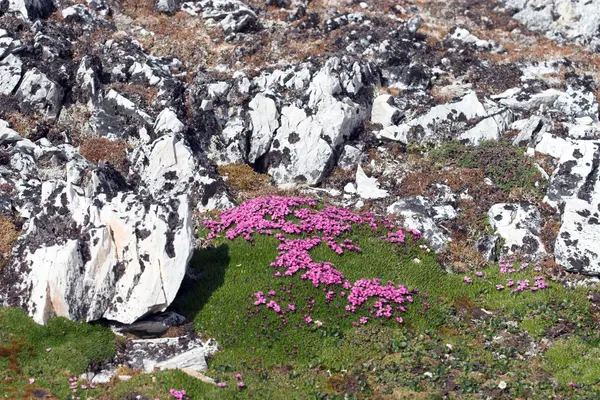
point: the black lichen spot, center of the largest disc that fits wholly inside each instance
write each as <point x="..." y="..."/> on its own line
<point x="293" y="138"/>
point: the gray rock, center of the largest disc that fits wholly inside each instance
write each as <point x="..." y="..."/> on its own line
<point x="169" y="353"/>
<point x="487" y="247"/>
<point x="350" y="157"/>
<point x="10" y="74"/>
<point x="519" y="225"/>
<point x="31" y="9"/>
<point x="419" y="213"/>
<point x="39" y="92"/>
<point x="166" y="6"/>
<point x="155" y="325"/>
<point x="575" y="20"/>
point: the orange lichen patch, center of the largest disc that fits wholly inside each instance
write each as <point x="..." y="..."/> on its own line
<point x="98" y="149"/>
<point x="8" y="236"/>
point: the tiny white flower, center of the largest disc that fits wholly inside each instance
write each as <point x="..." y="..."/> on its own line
<point x="449" y="346"/>
<point x="417" y="261"/>
<point x="318" y="324"/>
<point x="428" y="374"/>
<point x="502" y="385"/>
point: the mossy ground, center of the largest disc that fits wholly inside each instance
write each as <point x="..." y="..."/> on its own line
<point x="463" y="344"/>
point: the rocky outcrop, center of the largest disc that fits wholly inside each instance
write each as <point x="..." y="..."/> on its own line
<point x="311" y="94"/>
<point x="519" y="225"/>
<point x="95" y="245"/>
<point x="560" y="19"/>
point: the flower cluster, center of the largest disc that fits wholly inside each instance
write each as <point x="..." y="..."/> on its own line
<point x="76" y="386"/>
<point x="507" y="268"/>
<point x="283" y="217"/>
<point x="178" y="394"/>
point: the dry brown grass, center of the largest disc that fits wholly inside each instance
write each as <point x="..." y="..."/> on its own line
<point x="462" y="256"/>
<point x="21" y="123"/>
<point x="146" y="94"/>
<point x="8" y="236"/>
<point x="98" y="149"/>
<point x="181" y="35"/>
<point x="248" y="184"/>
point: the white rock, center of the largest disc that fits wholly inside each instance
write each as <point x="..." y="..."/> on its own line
<point x="166" y="6"/>
<point x="519" y="225"/>
<point x="530" y="102"/>
<point x="30" y="9"/>
<point x="466" y="108"/>
<point x="383" y="111"/>
<point x="465" y="36"/>
<point x="167" y="122"/>
<point x="299" y="154"/>
<point x="40" y="92"/>
<point x="368" y="188"/>
<point x="419" y="213"/>
<point x="577" y="247"/>
<point x="125" y="273"/>
<point x="10" y="74"/>
<point x="264" y="115"/>
<point x="350" y="188"/>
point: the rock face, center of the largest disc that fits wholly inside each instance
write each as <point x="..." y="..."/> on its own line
<point x="560" y="19"/>
<point x="31" y="9"/>
<point x="95" y="245"/>
<point x="519" y="225"/>
<point x="575" y="188"/>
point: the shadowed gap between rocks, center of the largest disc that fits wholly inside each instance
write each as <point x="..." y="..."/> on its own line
<point x="208" y="265"/>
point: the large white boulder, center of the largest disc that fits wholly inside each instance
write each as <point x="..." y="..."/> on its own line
<point x="299" y="154"/>
<point x="519" y="225"/>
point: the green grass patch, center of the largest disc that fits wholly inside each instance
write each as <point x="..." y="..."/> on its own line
<point x="573" y="360"/>
<point x="506" y="165"/>
<point x="23" y="355"/>
<point x="299" y="360"/>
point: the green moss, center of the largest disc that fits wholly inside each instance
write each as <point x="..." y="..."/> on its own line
<point x="536" y="326"/>
<point x="506" y="165"/>
<point x="572" y="360"/>
<point x="448" y="345"/>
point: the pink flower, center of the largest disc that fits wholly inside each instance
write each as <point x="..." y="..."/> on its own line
<point x="467" y="279"/>
<point x="241" y="384"/>
<point x="48" y="350"/>
<point x="363" y="320"/>
<point x="222" y="384"/>
<point x="31" y="381"/>
<point x="238" y="376"/>
<point x="571" y="385"/>
<point x="284" y="217"/>
<point x="499" y="287"/>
